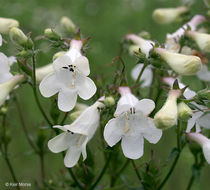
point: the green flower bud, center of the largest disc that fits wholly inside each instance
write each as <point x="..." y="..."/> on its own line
<point x="68" y="25"/>
<point x="51" y="34"/>
<point x="184" y="112"/>
<point x="109" y="101"/>
<point x="204" y="94"/>
<point x="18" y="37"/>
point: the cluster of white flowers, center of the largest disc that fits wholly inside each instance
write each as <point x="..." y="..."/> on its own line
<point x="68" y="74"/>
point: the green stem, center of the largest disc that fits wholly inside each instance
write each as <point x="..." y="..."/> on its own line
<point x="41" y="156"/>
<point x="5" y="154"/>
<point x="64" y="118"/>
<point x="119" y="172"/>
<point x="24" y="126"/>
<point x="136" y="170"/>
<point x="140" y="74"/>
<point x="73" y="176"/>
<point x="102" y="172"/>
<point x="169" y="172"/>
<point x="176" y="159"/>
<point x="35" y="90"/>
<point x="190" y="183"/>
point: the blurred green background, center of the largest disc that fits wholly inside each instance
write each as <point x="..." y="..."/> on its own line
<point x="106" y="22"/>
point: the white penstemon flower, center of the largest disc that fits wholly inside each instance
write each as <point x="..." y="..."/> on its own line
<point x="5" y="63"/>
<point x="203" y="141"/>
<point x="132" y="124"/>
<point x="76" y="135"/>
<point x="167" y="116"/>
<point x="69" y="79"/>
<point x="180" y="63"/>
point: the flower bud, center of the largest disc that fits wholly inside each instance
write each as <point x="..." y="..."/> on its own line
<point x="68" y="25"/>
<point x="51" y="34"/>
<point x="144" y="45"/>
<point x="201" y="39"/>
<point x="132" y="49"/>
<point x="3" y="109"/>
<point x="166" y="117"/>
<point x="168" y="15"/>
<point x="184" y="111"/>
<point x="78" y="109"/>
<point x="43" y="71"/>
<point x="109" y="101"/>
<point x="204" y="94"/>
<point x="203" y="141"/>
<point x="18" y="37"/>
<point x="7" y="87"/>
<point x="74" y="115"/>
<point x="182" y="64"/>
<point x="6" y="24"/>
<point x="58" y="54"/>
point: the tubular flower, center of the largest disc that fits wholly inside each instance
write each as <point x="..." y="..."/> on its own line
<point x="5" y="63"/>
<point x="201" y="39"/>
<point x="76" y="136"/>
<point x="203" y="141"/>
<point x="146" y="76"/>
<point x="144" y="45"/>
<point x="7" y="87"/>
<point x="188" y="93"/>
<point x="167" y="116"/>
<point x="6" y="24"/>
<point x="168" y="15"/>
<point x="69" y="79"/>
<point x="132" y="124"/>
<point x="193" y="23"/>
<point x="204" y="74"/>
<point x="182" y="64"/>
<point x="41" y="72"/>
<point x="0" y="40"/>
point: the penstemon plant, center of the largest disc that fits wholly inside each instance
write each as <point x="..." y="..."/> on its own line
<point x="84" y="107"/>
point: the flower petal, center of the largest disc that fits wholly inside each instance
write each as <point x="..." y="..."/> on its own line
<point x="151" y="133"/>
<point x="206" y="152"/>
<point x="49" y="86"/>
<point x="192" y="121"/>
<point x="204" y="74"/>
<point x="67" y="99"/>
<point x="146" y="76"/>
<point x="72" y="156"/>
<point x="204" y="121"/>
<point x="121" y="109"/>
<point x="82" y="64"/>
<point x="133" y="147"/>
<point x="85" y="86"/>
<point x="4" y="77"/>
<point x="4" y="63"/>
<point x="62" y="61"/>
<point x="146" y="106"/>
<point x="113" y="131"/>
<point x="59" y="143"/>
<point x="0" y="40"/>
